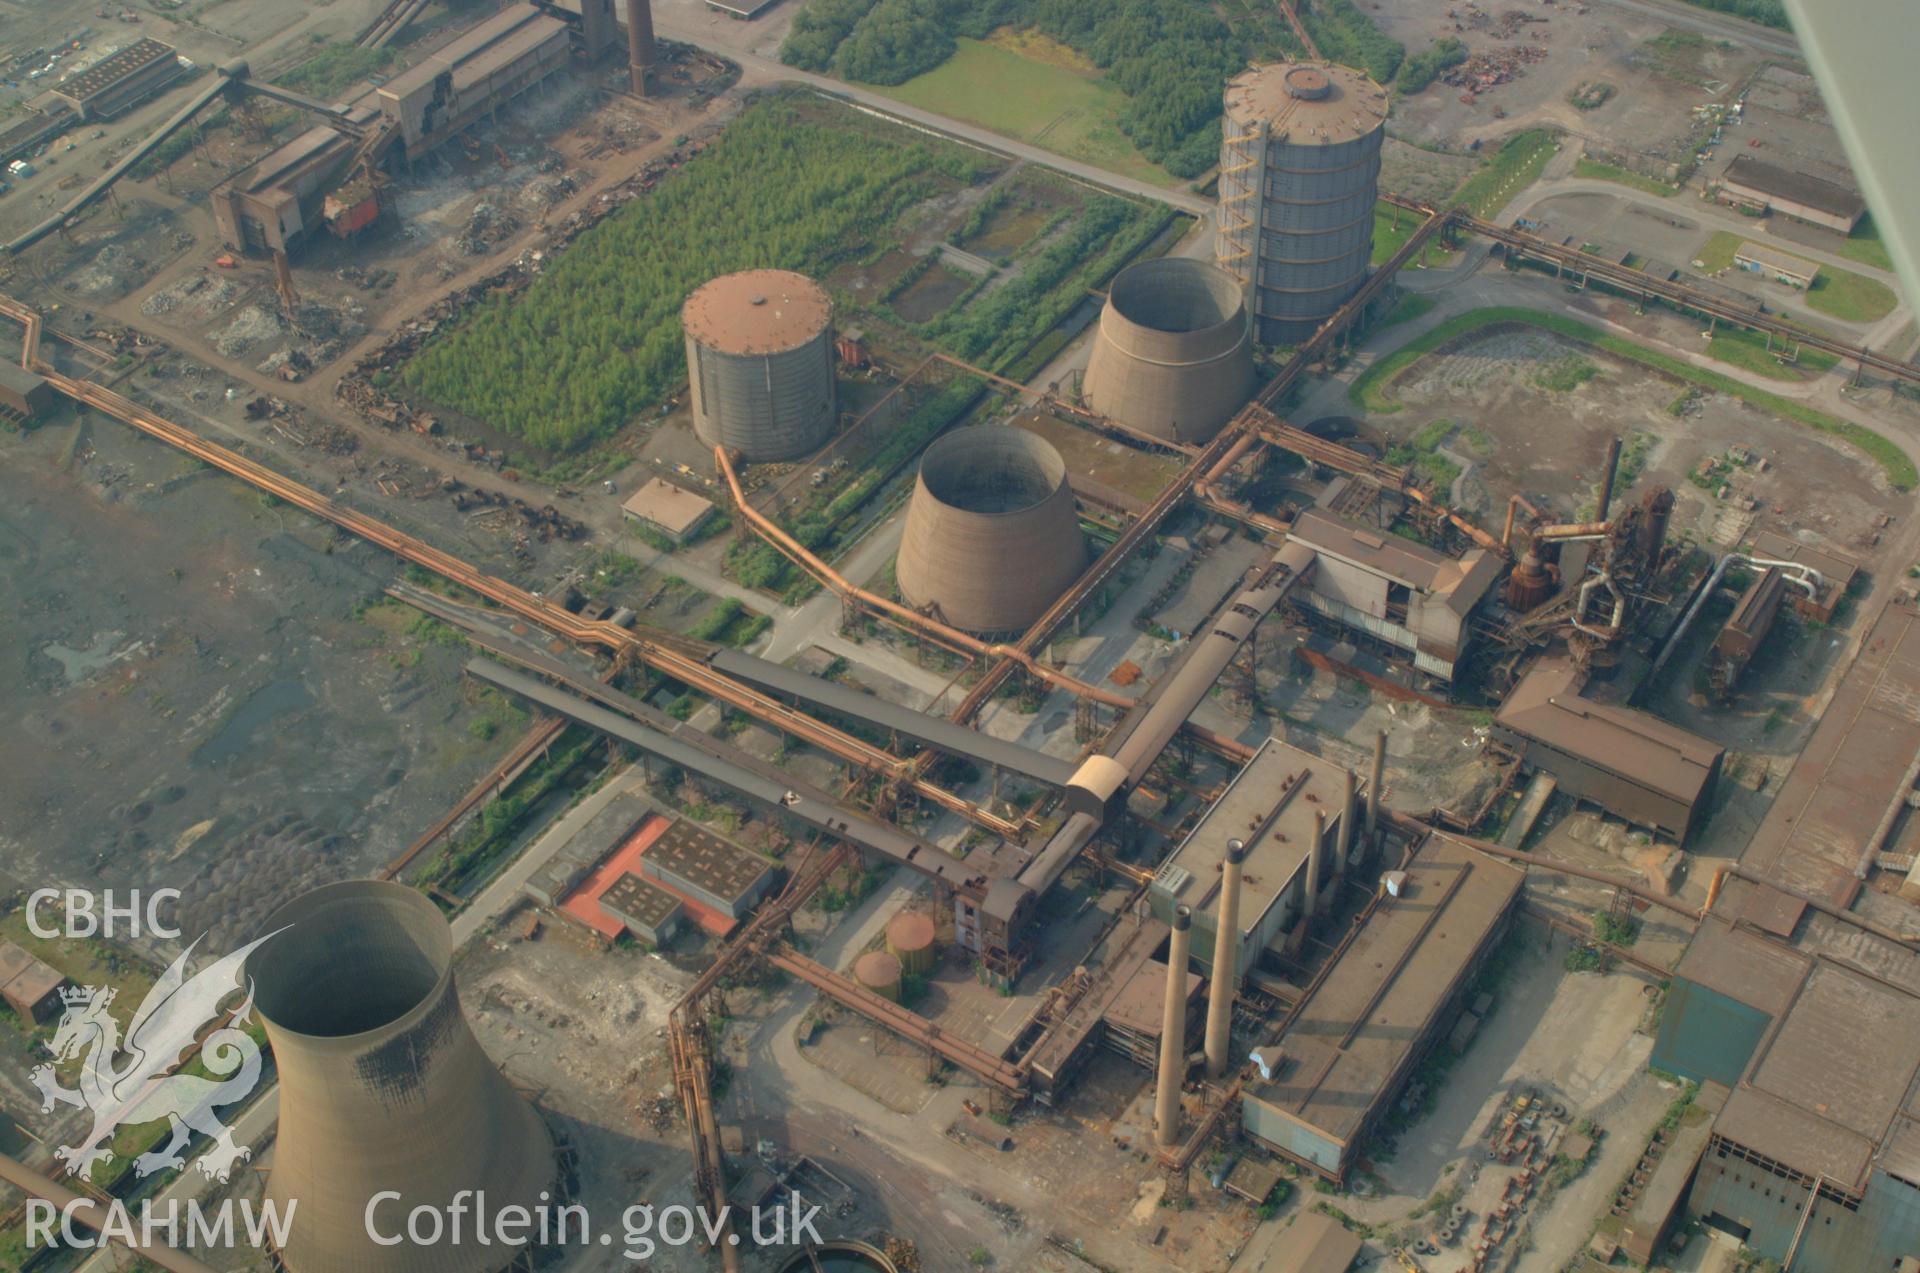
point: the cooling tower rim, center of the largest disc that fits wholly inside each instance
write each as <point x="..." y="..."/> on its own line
<point x="309" y="909"/>
<point x="1124" y="326"/>
<point x="941" y="455"/>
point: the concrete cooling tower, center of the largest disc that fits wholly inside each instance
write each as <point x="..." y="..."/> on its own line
<point x="1299" y="174"/>
<point x="383" y="1086"/>
<point x="1173" y="357"/>
<point x="760" y="360"/>
<point x="992" y="538"/>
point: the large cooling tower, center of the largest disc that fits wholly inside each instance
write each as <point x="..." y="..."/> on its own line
<point x="1299" y="174"/>
<point x="1173" y="356"/>
<point x="992" y="538"/>
<point x="383" y="1086"/>
<point x="760" y="360"/>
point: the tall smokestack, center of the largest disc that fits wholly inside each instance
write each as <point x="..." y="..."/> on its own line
<point x="1313" y="861"/>
<point x="1347" y="812"/>
<point x="1226" y="964"/>
<point x="1173" y="1033"/>
<point x="640" y="44"/>
<point x="383" y="1087"/>
<point x="1606" y="480"/>
<point x="1378" y="776"/>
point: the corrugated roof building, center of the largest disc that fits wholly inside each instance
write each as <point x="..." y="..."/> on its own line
<point x="1403" y="592"/>
<point x="1630" y="763"/>
<point x="1764" y="187"/>
<point x="1389" y="995"/>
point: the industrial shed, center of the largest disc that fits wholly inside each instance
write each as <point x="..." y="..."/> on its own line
<point x="713" y="871"/>
<point x="671" y="510"/>
<point x="647" y="911"/>
<point x="1271" y="806"/>
<point x="29" y="986"/>
<point x="1845" y="799"/>
<point x="1313" y="1243"/>
<point x="1763" y="187"/>
<point x="121" y="81"/>
<point x="1630" y="763"/>
<point x="476" y="73"/>
<point x="1824" y="1104"/>
<point x="1404" y="593"/>
<point x="1401" y="974"/>
<point x="1782" y="267"/>
<point x="22" y="393"/>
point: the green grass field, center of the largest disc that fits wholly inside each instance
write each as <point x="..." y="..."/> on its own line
<point x="1593" y="168"/>
<point x="1518" y="165"/>
<point x="1392" y="227"/>
<point x="1371" y="390"/>
<point x="1865" y="246"/>
<point x="1739" y="347"/>
<point x="1851" y="297"/>
<point x="1067" y="111"/>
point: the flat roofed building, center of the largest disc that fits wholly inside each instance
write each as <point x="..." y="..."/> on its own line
<point x="671" y="510"/>
<point x="1390" y="994"/>
<point x="585" y="846"/>
<point x="715" y="872"/>
<point x="1270" y="805"/>
<point x="120" y="81"/>
<point x="1630" y="763"/>
<point x="1794" y="271"/>
<point x="1813" y="1021"/>
<point x="649" y="912"/>
<point x="23" y="393"/>
<point x="1402" y="592"/>
<point x="485" y="68"/>
<point x="1765" y="187"/>
<point x="1313" y="1243"/>
<point x="30" y="986"/>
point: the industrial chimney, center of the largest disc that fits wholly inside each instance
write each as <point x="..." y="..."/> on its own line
<point x="640" y="44"/>
<point x="1374" y="781"/>
<point x="1173" y="1033"/>
<point x="1226" y="963"/>
<point x="383" y="1087"/>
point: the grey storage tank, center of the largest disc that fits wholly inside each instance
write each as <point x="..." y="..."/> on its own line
<point x="1173" y="356"/>
<point x="992" y="538"/>
<point x="760" y="359"/>
<point x="1299" y="175"/>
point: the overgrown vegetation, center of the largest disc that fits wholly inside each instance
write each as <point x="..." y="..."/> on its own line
<point x="1566" y="374"/>
<point x="1422" y="453"/>
<point x="1768" y="13"/>
<point x="1369" y="390"/>
<point x="336" y="68"/>
<point x="1593" y="168"/>
<point x="1422" y="69"/>
<point x="1517" y="166"/>
<point x="597" y="338"/>
<point x="1346" y="35"/>
<point x="1169" y="57"/>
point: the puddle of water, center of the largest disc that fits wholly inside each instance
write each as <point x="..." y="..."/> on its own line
<point x="271" y="701"/>
<point x="77" y="664"/>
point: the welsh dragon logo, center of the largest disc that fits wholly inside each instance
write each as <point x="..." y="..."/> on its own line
<point x="127" y="1082"/>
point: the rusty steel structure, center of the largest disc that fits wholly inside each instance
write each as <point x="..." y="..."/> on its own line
<point x="660" y="656"/>
<point x="1299" y="176"/>
<point x="383" y="1088"/>
<point x="1211" y="463"/>
<point x="1173" y="356"/>
<point x="992" y="536"/>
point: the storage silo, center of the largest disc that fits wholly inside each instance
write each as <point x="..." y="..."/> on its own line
<point x="760" y="360"/>
<point x="1299" y="175"/>
<point x="1173" y="356"/>
<point x="383" y="1087"/>
<point x="879" y="972"/>
<point x="910" y="939"/>
<point x="992" y="538"/>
